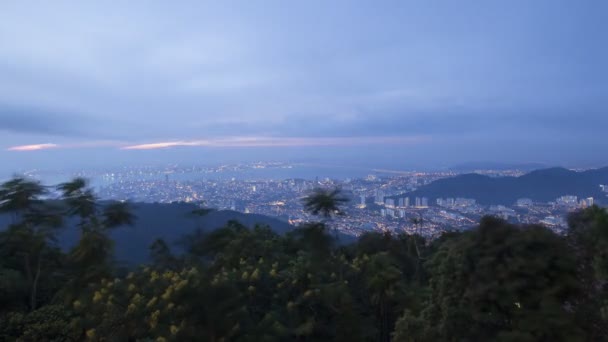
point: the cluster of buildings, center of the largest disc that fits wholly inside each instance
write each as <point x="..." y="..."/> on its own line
<point x="573" y="201"/>
<point x="376" y="202"/>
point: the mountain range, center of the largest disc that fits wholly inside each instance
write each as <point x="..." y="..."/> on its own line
<point x="540" y="185"/>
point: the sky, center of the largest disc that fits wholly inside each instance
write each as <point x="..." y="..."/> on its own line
<point x="400" y="84"/>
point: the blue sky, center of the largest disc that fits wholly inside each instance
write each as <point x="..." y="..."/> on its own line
<point x="394" y="83"/>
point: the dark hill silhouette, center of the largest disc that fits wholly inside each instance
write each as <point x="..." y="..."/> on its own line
<point x="167" y="221"/>
<point x="541" y="185"/>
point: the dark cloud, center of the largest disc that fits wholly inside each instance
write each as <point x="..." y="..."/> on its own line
<point x="29" y="120"/>
<point x="50" y="122"/>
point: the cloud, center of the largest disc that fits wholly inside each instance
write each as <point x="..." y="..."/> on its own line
<point x="78" y="145"/>
<point x="281" y="142"/>
<point x="244" y="142"/>
<point x="34" y="147"/>
<point x="43" y="121"/>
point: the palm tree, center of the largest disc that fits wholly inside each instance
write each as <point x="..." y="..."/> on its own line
<point x="34" y="225"/>
<point x="325" y="203"/>
<point x="92" y="254"/>
<point x="20" y="195"/>
<point x="80" y="200"/>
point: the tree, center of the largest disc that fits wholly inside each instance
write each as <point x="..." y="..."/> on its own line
<point x="499" y="282"/>
<point x="91" y="258"/>
<point x="161" y="255"/>
<point x="19" y="196"/>
<point x="588" y="237"/>
<point x="384" y="281"/>
<point x="34" y="228"/>
<point x="326" y="203"/>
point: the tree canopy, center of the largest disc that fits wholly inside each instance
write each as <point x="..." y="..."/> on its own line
<point x="498" y="281"/>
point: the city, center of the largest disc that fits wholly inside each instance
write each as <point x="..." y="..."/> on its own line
<point x="348" y="171"/>
<point x="377" y="202"/>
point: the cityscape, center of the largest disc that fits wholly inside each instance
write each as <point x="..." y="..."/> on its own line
<point x="346" y="171"/>
<point x="377" y="202"/>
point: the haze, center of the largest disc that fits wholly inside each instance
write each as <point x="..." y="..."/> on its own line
<point x="394" y="84"/>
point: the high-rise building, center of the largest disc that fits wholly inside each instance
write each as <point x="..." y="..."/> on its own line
<point x="389" y="202"/>
<point x="379" y="196"/>
<point x="362" y="199"/>
<point x="418" y="202"/>
<point x="425" y="202"/>
<point x="401" y="202"/>
<point x="586" y="202"/>
<point x="407" y="202"/>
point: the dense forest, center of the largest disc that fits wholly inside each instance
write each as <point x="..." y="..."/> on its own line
<point x="496" y="282"/>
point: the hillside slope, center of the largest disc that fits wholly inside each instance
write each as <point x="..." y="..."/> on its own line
<point x="540" y="185"/>
<point x="167" y="221"/>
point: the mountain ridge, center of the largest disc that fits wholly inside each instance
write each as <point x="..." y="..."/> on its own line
<point x="539" y="185"/>
<point x="167" y="221"/>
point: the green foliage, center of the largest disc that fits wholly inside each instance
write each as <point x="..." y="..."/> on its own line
<point x="48" y="323"/>
<point x="588" y="235"/>
<point x="497" y="282"/>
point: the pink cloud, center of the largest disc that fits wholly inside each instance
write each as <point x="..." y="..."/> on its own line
<point x="280" y="142"/>
<point x="236" y="142"/>
<point x="35" y="147"/>
<point x="160" y="145"/>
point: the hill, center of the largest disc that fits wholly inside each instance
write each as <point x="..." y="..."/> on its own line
<point x="167" y="221"/>
<point x="472" y="166"/>
<point x="541" y="185"/>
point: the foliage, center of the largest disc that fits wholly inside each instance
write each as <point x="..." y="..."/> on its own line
<point x="495" y="282"/>
<point x="499" y="282"/>
<point x="325" y="202"/>
<point x="588" y="236"/>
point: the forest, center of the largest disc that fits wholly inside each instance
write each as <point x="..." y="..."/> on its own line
<point x="495" y="282"/>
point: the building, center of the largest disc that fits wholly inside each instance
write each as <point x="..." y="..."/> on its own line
<point x="362" y="200"/>
<point x="425" y="202"/>
<point x="389" y="203"/>
<point x="568" y="200"/>
<point x="463" y="202"/>
<point x="586" y="202"/>
<point x="379" y="197"/>
<point x="418" y="202"/>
